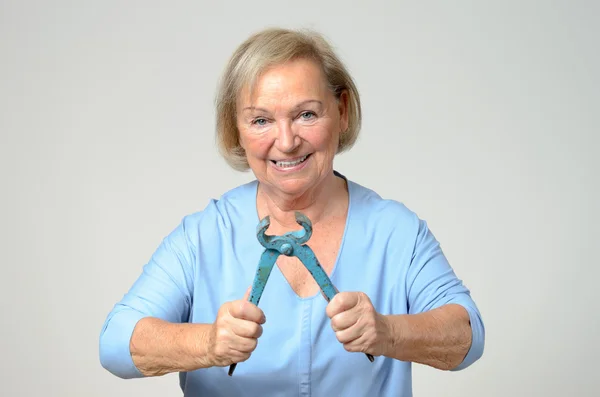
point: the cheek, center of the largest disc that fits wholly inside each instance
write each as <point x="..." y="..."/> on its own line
<point x="256" y="145"/>
<point x="322" y="139"/>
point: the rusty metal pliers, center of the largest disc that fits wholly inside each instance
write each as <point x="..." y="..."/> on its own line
<point x="290" y="244"/>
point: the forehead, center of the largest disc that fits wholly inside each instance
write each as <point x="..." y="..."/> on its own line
<point x="292" y="80"/>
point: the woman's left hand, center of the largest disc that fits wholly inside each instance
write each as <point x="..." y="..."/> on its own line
<point x="357" y="325"/>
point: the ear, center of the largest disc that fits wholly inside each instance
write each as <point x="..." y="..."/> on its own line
<point x="343" y="109"/>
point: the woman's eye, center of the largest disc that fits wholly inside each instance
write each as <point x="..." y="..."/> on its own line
<point x="259" y="122"/>
<point x="307" y="115"/>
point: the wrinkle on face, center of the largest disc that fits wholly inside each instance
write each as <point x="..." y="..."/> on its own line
<point x="276" y="123"/>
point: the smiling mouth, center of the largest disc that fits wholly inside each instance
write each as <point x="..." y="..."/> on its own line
<point x="290" y="164"/>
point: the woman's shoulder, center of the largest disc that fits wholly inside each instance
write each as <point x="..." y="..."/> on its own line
<point x="233" y="207"/>
<point x="368" y="200"/>
<point x="383" y="214"/>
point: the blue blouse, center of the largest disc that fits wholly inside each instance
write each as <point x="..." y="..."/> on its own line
<point x="211" y="257"/>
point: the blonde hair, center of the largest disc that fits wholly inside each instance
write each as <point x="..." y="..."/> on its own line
<point x="271" y="47"/>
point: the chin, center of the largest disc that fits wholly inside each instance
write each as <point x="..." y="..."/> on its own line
<point x="293" y="186"/>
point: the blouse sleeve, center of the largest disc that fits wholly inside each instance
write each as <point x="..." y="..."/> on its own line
<point x="431" y="283"/>
<point x="163" y="290"/>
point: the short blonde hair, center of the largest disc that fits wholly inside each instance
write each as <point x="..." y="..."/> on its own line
<point x="271" y="47"/>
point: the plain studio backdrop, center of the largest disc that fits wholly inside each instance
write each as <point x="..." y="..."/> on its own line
<point x="482" y="118"/>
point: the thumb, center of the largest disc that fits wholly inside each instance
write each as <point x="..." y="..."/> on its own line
<point x="247" y="294"/>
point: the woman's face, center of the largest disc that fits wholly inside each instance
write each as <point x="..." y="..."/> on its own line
<point x="290" y="127"/>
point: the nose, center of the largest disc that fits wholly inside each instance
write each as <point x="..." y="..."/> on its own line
<point x="287" y="140"/>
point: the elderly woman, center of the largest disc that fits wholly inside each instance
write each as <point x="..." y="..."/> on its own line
<point x="286" y="107"/>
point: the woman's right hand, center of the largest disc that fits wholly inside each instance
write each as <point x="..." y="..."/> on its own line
<point x="234" y="334"/>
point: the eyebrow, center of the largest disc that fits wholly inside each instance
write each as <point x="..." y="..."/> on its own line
<point x="299" y="105"/>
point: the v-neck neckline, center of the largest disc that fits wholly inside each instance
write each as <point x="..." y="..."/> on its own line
<point x="256" y="220"/>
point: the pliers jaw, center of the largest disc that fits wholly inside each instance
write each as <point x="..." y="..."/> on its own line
<point x="274" y="242"/>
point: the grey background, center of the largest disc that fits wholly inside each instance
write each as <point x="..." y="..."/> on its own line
<point x="482" y="117"/>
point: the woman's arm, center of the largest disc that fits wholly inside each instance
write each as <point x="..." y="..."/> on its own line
<point x="159" y="347"/>
<point x="440" y="338"/>
<point x="162" y="291"/>
<point x="148" y="332"/>
<point x="441" y="328"/>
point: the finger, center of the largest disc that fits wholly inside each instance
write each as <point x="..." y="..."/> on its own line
<point x="344" y="320"/>
<point x="341" y="302"/>
<point x="246" y="329"/>
<point x="238" y="356"/>
<point x="244" y="345"/>
<point x="242" y="356"/>
<point x="356" y="345"/>
<point x="247" y="311"/>
<point x="348" y="335"/>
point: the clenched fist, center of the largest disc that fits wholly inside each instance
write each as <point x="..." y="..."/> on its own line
<point x="357" y="325"/>
<point x="235" y="332"/>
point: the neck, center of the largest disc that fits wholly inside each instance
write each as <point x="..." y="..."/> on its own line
<point x="328" y="198"/>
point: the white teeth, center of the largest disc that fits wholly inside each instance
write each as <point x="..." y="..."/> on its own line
<point x="289" y="164"/>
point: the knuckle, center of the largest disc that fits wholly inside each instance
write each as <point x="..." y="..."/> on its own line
<point x="223" y="333"/>
<point x="255" y="314"/>
<point x="222" y="315"/>
<point x="368" y="321"/>
<point x="249" y="345"/>
<point x="220" y="351"/>
<point x="225" y="308"/>
<point x="363" y="299"/>
<point x="335" y="323"/>
<point x="244" y="357"/>
<point x="235" y="311"/>
<point x="330" y="309"/>
<point x="253" y="344"/>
